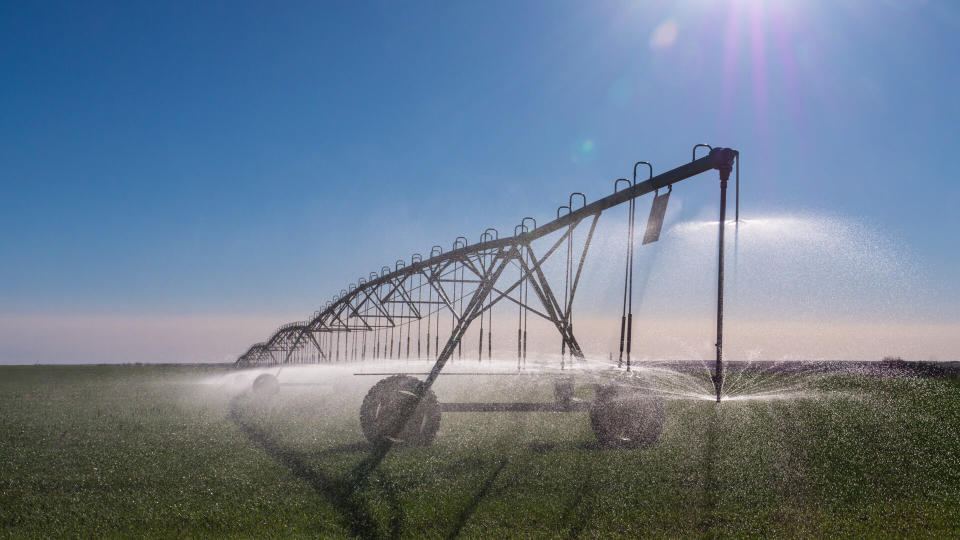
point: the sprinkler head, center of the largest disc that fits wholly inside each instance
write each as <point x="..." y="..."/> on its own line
<point x="718" y="384"/>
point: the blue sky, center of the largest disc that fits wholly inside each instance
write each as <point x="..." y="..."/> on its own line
<point x="182" y="159"/>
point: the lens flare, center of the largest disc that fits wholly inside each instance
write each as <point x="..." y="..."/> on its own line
<point x="664" y="35"/>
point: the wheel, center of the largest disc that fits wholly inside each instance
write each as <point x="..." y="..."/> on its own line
<point x="626" y="417"/>
<point x="380" y="408"/>
<point x="266" y="385"/>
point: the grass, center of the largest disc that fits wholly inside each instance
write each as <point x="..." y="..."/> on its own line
<point x="149" y="452"/>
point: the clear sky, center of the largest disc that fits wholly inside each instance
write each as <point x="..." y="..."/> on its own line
<point x="195" y="161"/>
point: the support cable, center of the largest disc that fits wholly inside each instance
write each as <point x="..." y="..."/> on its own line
<point x="420" y="308"/>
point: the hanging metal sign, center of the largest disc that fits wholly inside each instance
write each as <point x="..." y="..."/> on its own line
<point x="655" y="223"/>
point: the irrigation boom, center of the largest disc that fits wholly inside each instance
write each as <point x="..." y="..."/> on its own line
<point x="470" y="279"/>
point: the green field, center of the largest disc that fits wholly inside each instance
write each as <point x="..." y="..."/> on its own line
<point x="170" y="452"/>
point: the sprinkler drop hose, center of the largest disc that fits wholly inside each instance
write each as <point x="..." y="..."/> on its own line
<point x="725" y="166"/>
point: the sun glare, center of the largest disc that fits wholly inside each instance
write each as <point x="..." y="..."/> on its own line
<point x="664" y="35"/>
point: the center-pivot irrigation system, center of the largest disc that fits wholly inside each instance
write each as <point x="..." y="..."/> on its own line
<point x="377" y="317"/>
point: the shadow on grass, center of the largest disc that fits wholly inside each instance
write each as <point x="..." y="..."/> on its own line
<point x="393" y="500"/>
<point x="343" y="449"/>
<point x="710" y="484"/>
<point x="576" y="515"/>
<point x="471" y="508"/>
<point x="545" y="447"/>
<point x="342" y="494"/>
<point x="573" y="509"/>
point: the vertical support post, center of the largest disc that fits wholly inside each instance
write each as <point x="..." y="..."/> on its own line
<point x="725" y="167"/>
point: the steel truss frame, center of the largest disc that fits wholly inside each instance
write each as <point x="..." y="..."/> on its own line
<point x="465" y="283"/>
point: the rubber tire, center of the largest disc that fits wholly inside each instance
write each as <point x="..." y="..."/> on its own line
<point x="385" y="398"/>
<point x="266" y="385"/>
<point x="626" y="417"/>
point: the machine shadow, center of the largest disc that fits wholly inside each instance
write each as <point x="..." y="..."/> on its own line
<point x="343" y="494"/>
<point x="481" y="493"/>
<point x="360" y="446"/>
<point x="574" y="515"/>
<point x="545" y="447"/>
<point x="710" y="495"/>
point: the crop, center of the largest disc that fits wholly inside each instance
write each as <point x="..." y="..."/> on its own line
<point x="164" y="451"/>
